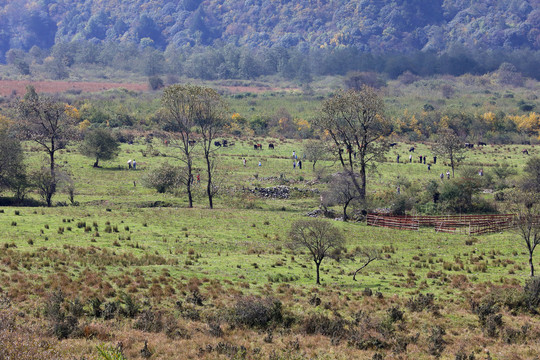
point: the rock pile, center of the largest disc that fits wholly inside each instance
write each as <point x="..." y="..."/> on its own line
<point x="280" y="191"/>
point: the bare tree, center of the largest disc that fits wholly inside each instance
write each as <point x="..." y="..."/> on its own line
<point x="527" y="207"/>
<point x="355" y="122"/>
<point x="210" y="119"/>
<point x="319" y="237"/>
<point x="342" y="191"/>
<point x="450" y="147"/>
<point x="369" y="254"/>
<point x="178" y="117"/>
<point x="50" y="124"/>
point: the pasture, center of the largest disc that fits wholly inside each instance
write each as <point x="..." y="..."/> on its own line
<point x="123" y="238"/>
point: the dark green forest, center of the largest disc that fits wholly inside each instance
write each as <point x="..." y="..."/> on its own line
<point x="339" y="28"/>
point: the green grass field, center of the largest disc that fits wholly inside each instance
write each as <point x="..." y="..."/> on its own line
<point x="125" y="238"/>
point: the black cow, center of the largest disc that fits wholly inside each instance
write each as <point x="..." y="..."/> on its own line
<point x="225" y="143"/>
<point x="191" y="142"/>
<point x="255" y="147"/>
<point x="411" y="149"/>
<point x="217" y="143"/>
<point x="481" y="143"/>
<point x="469" y="145"/>
<point x="525" y="151"/>
<point x="392" y="144"/>
<point x="271" y="146"/>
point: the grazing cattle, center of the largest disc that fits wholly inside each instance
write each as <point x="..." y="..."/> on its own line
<point x="225" y="142"/>
<point x="217" y="143"/>
<point x="469" y="145"/>
<point x="192" y="142"/>
<point x="341" y="151"/>
<point x="392" y="144"/>
<point x="525" y="151"/>
<point x="271" y="146"/>
<point x="411" y="149"/>
<point x="257" y="146"/>
<point x="481" y="143"/>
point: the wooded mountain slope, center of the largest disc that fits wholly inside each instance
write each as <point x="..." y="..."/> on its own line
<point x="398" y="25"/>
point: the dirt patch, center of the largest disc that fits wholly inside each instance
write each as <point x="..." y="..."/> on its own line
<point x="18" y="87"/>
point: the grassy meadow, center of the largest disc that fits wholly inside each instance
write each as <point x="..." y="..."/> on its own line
<point x="197" y="274"/>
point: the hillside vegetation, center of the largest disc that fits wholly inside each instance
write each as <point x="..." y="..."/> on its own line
<point x="370" y="26"/>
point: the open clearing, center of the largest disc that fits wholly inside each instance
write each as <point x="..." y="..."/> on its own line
<point x="123" y="238"/>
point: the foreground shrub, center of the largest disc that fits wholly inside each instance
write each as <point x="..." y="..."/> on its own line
<point x="255" y="312"/>
<point x="531" y="293"/>
<point x="21" y="342"/>
<point x="149" y="321"/>
<point x="489" y="320"/>
<point x="421" y="302"/>
<point x="320" y="324"/>
<point x="60" y="324"/>
<point x="110" y="353"/>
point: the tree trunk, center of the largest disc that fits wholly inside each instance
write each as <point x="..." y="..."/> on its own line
<point x="209" y="183"/>
<point x="362" y="189"/>
<point x="531" y="264"/>
<point x="318" y="265"/>
<point x="188" y="187"/>
<point x="345" y="217"/>
<point x="51" y="189"/>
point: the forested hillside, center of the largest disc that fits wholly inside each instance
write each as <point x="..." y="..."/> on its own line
<point x="376" y="26"/>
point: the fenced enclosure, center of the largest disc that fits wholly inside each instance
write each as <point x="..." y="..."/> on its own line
<point x="465" y="224"/>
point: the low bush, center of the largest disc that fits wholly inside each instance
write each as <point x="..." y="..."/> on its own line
<point x="254" y="312"/>
<point x="421" y="302"/>
<point x="149" y="321"/>
<point x="320" y="324"/>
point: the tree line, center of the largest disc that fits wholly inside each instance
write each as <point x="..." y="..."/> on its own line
<point x="229" y="61"/>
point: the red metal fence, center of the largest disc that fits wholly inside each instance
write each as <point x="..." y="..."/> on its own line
<point x="468" y="224"/>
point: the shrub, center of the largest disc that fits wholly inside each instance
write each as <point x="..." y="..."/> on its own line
<point x="320" y="324"/>
<point x="155" y="82"/>
<point x="214" y="328"/>
<point x="395" y="314"/>
<point x="255" y="312"/>
<point x="149" y="321"/>
<point x="421" y="302"/>
<point x="531" y="293"/>
<point x="488" y="318"/>
<point x="173" y="330"/>
<point x="165" y="178"/>
<point x="76" y="308"/>
<point x="195" y="298"/>
<point x="110" y="309"/>
<point x="130" y="308"/>
<point x="110" y="353"/>
<point x="94" y="307"/>
<point x="436" y="342"/>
